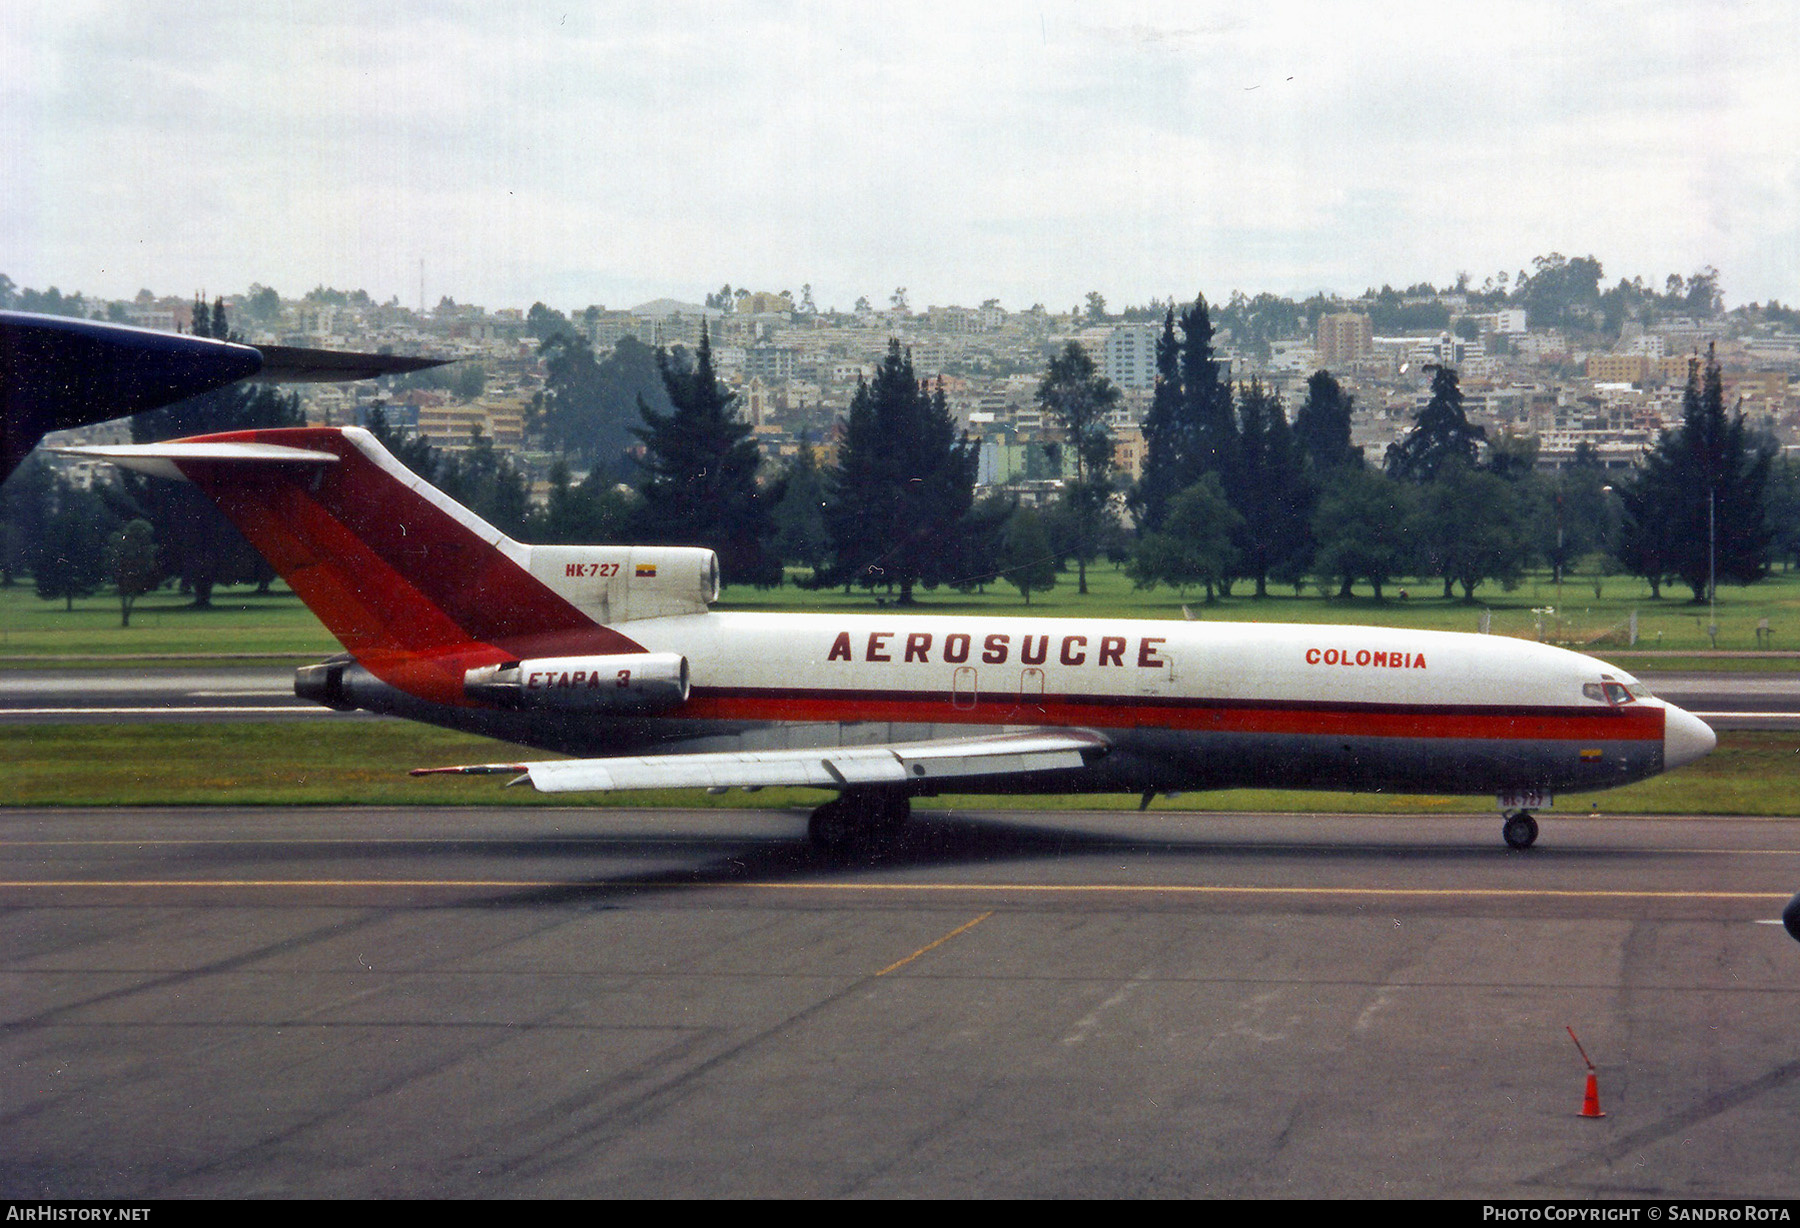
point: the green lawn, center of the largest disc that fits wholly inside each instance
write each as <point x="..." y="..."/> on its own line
<point x="340" y="764"/>
<point x="365" y="763"/>
<point x="1573" y="615"/>
<point x="165" y="622"/>
<point x="242" y="621"/>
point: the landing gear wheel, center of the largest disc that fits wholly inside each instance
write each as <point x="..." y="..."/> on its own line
<point x="1521" y="830"/>
<point x="831" y="828"/>
<point x="858" y="819"/>
<point x="888" y="813"/>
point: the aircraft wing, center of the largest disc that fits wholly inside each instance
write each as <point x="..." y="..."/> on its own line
<point x="288" y="364"/>
<point x="58" y="372"/>
<point x="826" y="767"/>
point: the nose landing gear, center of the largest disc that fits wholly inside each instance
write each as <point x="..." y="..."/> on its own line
<point x="1520" y="830"/>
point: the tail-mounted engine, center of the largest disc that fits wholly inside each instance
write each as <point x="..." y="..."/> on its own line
<point x="615" y="584"/>
<point x="629" y="683"/>
<point x="324" y="683"/>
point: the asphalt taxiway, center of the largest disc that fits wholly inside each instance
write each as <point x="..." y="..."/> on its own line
<point x="469" y="1002"/>
<point x="129" y="694"/>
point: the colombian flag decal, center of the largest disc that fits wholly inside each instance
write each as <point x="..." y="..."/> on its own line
<point x="646" y="571"/>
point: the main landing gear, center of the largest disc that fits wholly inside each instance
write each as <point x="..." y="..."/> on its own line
<point x="1520" y="829"/>
<point x="859" y="819"/>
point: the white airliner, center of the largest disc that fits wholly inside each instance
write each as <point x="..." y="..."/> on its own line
<point x="612" y="651"/>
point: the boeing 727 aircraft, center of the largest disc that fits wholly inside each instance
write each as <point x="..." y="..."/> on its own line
<point x="612" y="651"/>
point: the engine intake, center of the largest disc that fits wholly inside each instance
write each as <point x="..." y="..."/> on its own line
<point x="628" y="683"/>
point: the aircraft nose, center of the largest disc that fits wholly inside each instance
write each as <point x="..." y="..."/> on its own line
<point x="1685" y="737"/>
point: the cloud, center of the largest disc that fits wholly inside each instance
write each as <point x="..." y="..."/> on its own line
<point x="1033" y="152"/>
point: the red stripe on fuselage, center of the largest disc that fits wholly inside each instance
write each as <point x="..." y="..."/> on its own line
<point x="1111" y="712"/>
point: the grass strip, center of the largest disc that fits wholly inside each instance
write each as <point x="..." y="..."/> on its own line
<point x="242" y="620"/>
<point x="365" y="763"/>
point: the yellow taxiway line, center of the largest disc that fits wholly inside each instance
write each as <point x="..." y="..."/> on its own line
<point x="1170" y="889"/>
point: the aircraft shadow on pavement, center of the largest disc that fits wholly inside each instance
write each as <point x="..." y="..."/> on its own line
<point x="937" y="839"/>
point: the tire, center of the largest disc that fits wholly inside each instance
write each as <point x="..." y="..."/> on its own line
<point x="1520" y="831"/>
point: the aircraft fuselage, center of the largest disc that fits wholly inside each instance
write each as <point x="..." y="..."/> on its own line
<point x="1184" y="705"/>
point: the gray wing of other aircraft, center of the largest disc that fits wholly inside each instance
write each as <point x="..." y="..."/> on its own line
<point x="58" y="372"/>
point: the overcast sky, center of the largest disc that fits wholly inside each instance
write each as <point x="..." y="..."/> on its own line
<point x="582" y="153"/>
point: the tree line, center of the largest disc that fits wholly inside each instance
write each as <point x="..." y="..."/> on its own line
<point x="1234" y="491"/>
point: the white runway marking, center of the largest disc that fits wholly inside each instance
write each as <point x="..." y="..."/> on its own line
<point x="168" y="710"/>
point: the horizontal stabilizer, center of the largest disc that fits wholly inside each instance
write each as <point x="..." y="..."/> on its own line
<point x="827" y="767"/>
<point x="159" y="459"/>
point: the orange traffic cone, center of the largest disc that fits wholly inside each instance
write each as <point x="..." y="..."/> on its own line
<point x="1590" y="1103"/>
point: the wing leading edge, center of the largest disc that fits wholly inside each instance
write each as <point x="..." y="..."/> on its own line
<point x="826" y="767"/>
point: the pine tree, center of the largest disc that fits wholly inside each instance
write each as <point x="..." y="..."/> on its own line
<point x="700" y="473"/>
<point x="1206" y="397"/>
<point x="1189" y="431"/>
<point x="857" y="494"/>
<point x="903" y="483"/>
<point x="975" y="548"/>
<point x="591" y="512"/>
<point x="1441" y="433"/>
<point x="589" y="405"/>
<point x="414" y="451"/>
<point x="800" y="512"/>
<point x="1696" y="507"/>
<point x="1781" y="502"/>
<point x="1322" y="428"/>
<point x="1166" y="438"/>
<point x="1652" y="500"/>
<point x="487" y="482"/>
<point x="1269" y="491"/>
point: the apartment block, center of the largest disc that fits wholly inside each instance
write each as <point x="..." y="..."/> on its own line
<point x="1130" y="356"/>
<point x="1344" y="337"/>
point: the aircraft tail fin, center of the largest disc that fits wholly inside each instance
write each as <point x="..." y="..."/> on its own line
<point x="396" y="568"/>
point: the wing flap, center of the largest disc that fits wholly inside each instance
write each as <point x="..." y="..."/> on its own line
<point x="827" y="767"/>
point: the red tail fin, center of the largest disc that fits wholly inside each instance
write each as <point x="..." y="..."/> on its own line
<point x="391" y="565"/>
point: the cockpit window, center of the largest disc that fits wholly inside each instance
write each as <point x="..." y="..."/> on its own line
<point x="1609" y="692"/>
